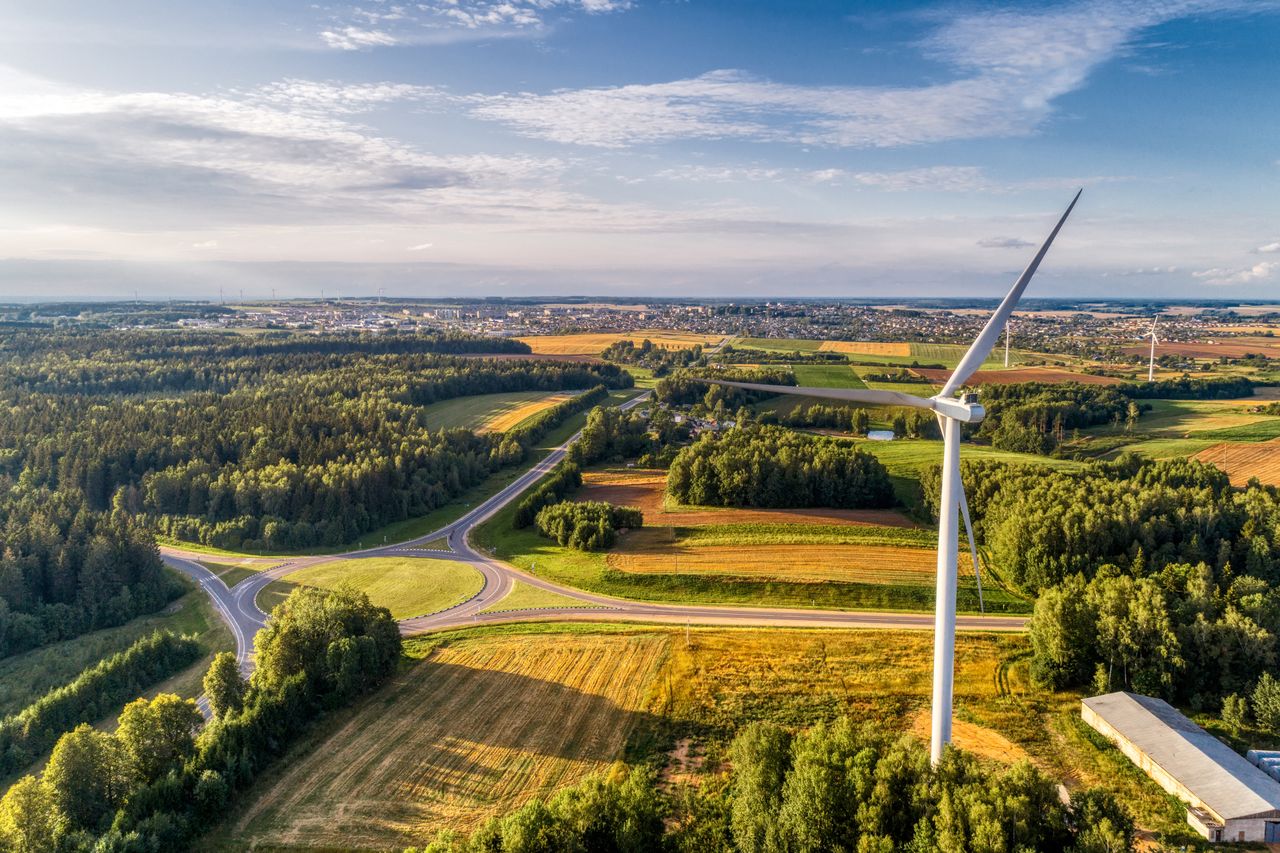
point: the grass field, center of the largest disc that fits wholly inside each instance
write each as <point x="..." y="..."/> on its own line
<point x="827" y="376"/>
<point x="1244" y="460"/>
<point x="491" y="412"/>
<point x="1221" y="420"/>
<point x="453" y="740"/>
<point x="232" y="573"/>
<point x="477" y="729"/>
<point x="525" y="596"/>
<point x="594" y="344"/>
<point x="407" y="586"/>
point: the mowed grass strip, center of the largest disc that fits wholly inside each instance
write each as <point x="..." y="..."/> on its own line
<point x="479" y="728"/>
<point x="524" y="596"/>
<point x="407" y="586"/>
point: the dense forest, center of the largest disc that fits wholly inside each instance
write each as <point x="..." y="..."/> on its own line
<point x="1155" y="576"/>
<point x="587" y="525"/>
<point x="836" y="787"/>
<point x="763" y="466"/>
<point x="266" y="442"/>
<point x="1034" y="417"/>
<point x="155" y="784"/>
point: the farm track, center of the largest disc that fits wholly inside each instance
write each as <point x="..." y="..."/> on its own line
<point x="239" y="607"/>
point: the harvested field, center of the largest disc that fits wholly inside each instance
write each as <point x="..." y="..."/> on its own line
<point x="503" y="421"/>
<point x="1234" y="347"/>
<point x="866" y="347"/>
<point x="482" y="726"/>
<point x="1021" y="374"/>
<point x="1243" y="460"/>
<point x="647" y="490"/>
<point x="595" y="343"/>
<point x="645" y="552"/>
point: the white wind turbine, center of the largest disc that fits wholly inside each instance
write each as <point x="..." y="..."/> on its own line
<point x="951" y="413"/>
<point x="1151" y="365"/>
<point x="1008" y="330"/>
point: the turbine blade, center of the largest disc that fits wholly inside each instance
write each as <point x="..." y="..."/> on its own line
<point x="973" y="546"/>
<point x="986" y="341"/>
<point x="853" y="395"/>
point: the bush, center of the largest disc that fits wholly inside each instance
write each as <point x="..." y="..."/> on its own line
<point x="564" y="479"/>
<point x="587" y="526"/>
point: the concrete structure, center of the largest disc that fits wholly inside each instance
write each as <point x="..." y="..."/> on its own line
<point x="1228" y="799"/>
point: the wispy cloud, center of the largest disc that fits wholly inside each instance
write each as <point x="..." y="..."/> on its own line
<point x="382" y="24"/>
<point x="1010" y="66"/>
<point x="1269" y="248"/>
<point x="1005" y="243"/>
<point x="421" y="247"/>
<point x="1258" y="272"/>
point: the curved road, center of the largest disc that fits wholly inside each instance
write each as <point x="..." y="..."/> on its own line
<point x="238" y="605"/>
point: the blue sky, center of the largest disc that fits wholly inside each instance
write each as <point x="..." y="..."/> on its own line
<point x="517" y="147"/>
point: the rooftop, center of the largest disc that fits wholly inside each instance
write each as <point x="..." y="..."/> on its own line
<point x="1213" y="772"/>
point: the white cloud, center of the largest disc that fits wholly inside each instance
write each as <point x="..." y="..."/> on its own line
<point x="205" y="244"/>
<point x="1257" y="272"/>
<point x="355" y="38"/>
<point x="1010" y="68"/>
<point x="1269" y="248"/>
<point x="421" y="247"/>
<point x="383" y="25"/>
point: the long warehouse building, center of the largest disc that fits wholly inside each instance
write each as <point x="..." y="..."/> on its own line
<point x="1228" y="799"/>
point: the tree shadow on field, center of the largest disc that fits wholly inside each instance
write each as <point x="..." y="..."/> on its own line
<point x="469" y="727"/>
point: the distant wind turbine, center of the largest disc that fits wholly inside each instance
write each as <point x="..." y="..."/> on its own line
<point x="1151" y="365"/>
<point x="1008" y="330"/>
<point x="951" y="413"/>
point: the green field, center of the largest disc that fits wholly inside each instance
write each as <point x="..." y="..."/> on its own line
<point x="827" y="376"/>
<point x="475" y="412"/>
<point x="407" y="586"/>
<point x="778" y="344"/>
<point x="1217" y="420"/>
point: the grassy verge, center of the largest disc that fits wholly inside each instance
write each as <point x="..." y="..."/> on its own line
<point x="525" y="596"/>
<point x="407" y="586"/>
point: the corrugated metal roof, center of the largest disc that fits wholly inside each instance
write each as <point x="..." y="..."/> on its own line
<point x="1216" y="774"/>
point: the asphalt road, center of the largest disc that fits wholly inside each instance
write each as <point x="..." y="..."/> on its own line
<point x="238" y="605"/>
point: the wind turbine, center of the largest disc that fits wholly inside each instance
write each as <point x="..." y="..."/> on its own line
<point x="1007" y="331"/>
<point x="1151" y="366"/>
<point x="951" y="413"/>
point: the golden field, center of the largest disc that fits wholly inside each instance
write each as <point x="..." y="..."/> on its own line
<point x="595" y="343"/>
<point x="866" y="348"/>
<point x="1245" y="459"/>
<point x="512" y="417"/>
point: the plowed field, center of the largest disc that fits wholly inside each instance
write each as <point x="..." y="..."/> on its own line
<point x="1242" y="460"/>
<point x="595" y="343"/>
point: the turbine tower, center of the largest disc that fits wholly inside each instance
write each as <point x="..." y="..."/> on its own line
<point x="951" y="413"/>
<point x="1008" y="330"/>
<point x="1151" y="365"/>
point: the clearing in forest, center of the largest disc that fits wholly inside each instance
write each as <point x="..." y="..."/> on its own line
<point x="516" y="415"/>
<point x="480" y="412"/>
<point x="482" y="726"/>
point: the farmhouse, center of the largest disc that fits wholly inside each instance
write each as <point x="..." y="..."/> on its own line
<point x="1228" y="799"/>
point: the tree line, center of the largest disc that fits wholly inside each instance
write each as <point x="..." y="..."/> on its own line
<point x="555" y="487"/>
<point x="658" y="359"/>
<point x="28" y="734"/>
<point x="763" y="466"/>
<point x="587" y="525"/>
<point x="155" y="783"/>
<point x="1155" y="576"/>
<point x="833" y="787"/>
<point x="611" y="433"/>
<point x="1034" y="417"/>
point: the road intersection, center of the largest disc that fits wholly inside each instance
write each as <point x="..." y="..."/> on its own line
<point x="238" y="605"/>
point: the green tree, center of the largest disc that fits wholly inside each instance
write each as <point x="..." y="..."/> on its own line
<point x="224" y="685"/>
<point x="158" y="735"/>
<point x="1235" y="713"/>
<point x="1266" y="703"/>
<point x="87" y="776"/>
<point x="761" y="756"/>
<point x="30" y="820"/>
